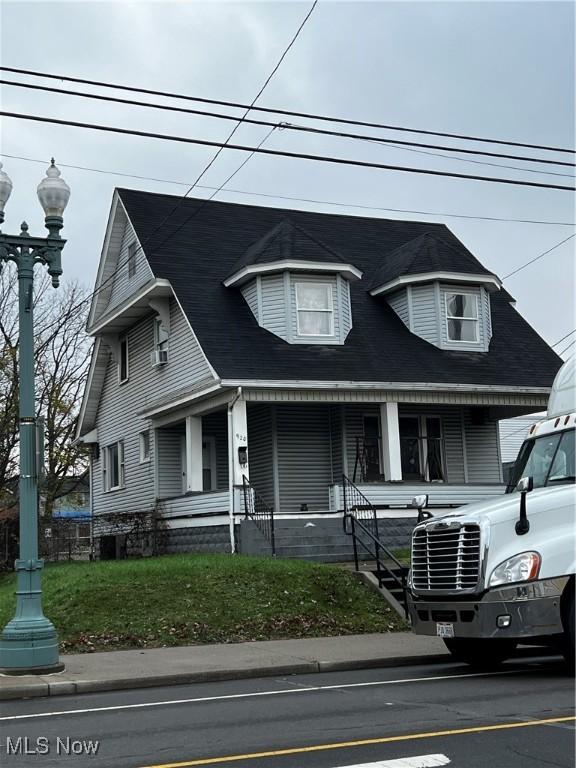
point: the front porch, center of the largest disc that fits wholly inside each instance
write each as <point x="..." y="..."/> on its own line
<point x="296" y="454"/>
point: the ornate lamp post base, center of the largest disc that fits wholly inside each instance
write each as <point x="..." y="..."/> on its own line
<point x="29" y="644"/>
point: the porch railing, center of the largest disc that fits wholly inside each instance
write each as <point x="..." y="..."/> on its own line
<point x="261" y="513"/>
<point x="361" y="523"/>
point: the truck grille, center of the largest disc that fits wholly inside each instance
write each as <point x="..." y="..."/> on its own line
<point x="445" y="558"/>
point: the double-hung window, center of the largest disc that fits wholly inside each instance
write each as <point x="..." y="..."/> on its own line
<point x="160" y="335"/>
<point x="462" y="317"/>
<point x="144" y="446"/>
<point x="113" y="466"/>
<point x="314" y="309"/>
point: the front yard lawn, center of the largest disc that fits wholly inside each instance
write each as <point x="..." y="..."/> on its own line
<point x="189" y="599"/>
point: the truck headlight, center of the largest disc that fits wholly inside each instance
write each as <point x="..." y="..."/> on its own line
<point x="522" y="567"/>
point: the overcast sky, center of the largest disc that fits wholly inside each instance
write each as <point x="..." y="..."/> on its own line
<point x="496" y="69"/>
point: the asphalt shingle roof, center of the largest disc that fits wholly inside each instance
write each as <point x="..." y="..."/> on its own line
<point x="283" y="242"/>
<point x="427" y="253"/>
<point x="202" y="243"/>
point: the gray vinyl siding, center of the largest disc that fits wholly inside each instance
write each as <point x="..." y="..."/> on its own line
<point x="399" y="303"/>
<point x="122" y="285"/>
<point x="170" y="471"/>
<point x="335" y="418"/>
<point x="272" y="300"/>
<point x="483" y="332"/>
<point x="274" y="314"/>
<point x="303" y="457"/>
<point x="487" y="315"/>
<point x="294" y="336"/>
<point x="117" y="417"/>
<point x="482" y="450"/>
<point x="344" y="307"/>
<point x="425" y="313"/>
<point x="261" y="451"/>
<point x="250" y="293"/>
<point x="216" y="425"/>
<point x="512" y="434"/>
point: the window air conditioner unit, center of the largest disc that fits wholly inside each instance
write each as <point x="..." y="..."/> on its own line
<point x="159" y="357"/>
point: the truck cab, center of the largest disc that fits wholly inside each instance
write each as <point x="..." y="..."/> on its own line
<point x="499" y="573"/>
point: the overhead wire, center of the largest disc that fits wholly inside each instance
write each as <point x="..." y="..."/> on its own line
<point x="210" y="163"/>
<point x="293" y="198"/>
<point x="283" y="153"/>
<point x="288" y="126"/>
<point x="307" y="115"/>
<point x="536" y="258"/>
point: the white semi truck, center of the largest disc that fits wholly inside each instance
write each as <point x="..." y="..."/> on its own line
<point x="501" y="573"/>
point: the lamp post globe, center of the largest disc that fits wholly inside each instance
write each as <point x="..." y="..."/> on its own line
<point x="5" y="191"/>
<point x="29" y="643"/>
<point x="53" y="192"/>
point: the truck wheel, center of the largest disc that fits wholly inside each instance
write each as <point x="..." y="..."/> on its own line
<point x="479" y="652"/>
<point x="569" y="630"/>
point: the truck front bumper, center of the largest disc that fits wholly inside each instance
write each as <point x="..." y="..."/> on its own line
<point x="530" y="611"/>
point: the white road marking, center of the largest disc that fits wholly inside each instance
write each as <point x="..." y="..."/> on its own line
<point x="421" y="761"/>
<point x="255" y="694"/>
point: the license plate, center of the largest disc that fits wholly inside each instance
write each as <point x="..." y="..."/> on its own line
<point x="444" y="629"/>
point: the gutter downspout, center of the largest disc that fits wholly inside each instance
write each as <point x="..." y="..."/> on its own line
<point x="231" y="472"/>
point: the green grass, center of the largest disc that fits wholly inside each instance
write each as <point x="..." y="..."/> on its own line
<point x="189" y="599"/>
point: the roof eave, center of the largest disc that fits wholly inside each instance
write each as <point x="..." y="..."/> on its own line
<point x="349" y="271"/>
<point x="489" y="281"/>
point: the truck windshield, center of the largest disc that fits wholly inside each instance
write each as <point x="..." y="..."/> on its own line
<point x="548" y="459"/>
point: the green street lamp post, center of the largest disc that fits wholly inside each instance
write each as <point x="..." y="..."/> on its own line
<point x="29" y="643"/>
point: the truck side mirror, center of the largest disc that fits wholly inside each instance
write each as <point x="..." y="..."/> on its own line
<point x="525" y="485"/>
<point x="419" y="502"/>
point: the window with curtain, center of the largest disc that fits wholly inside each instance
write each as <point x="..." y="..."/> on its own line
<point x="314" y="309"/>
<point x="462" y="317"/>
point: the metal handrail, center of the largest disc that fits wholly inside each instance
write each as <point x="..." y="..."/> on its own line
<point x="261" y="513"/>
<point x="352" y="493"/>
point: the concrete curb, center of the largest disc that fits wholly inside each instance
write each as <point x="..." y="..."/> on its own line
<point x="47" y="688"/>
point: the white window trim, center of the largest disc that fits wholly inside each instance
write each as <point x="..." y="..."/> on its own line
<point x="123" y="340"/>
<point x="106" y="467"/>
<point x="143" y="458"/>
<point x="448" y="317"/>
<point x="329" y="311"/>
<point x="132" y="251"/>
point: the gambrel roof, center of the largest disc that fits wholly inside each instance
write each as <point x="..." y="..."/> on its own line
<point x="202" y="243"/>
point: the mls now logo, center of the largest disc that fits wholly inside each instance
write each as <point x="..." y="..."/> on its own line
<point x="42" y="745"/>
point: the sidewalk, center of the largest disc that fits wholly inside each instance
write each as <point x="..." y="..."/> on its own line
<point x="144" y="668"/>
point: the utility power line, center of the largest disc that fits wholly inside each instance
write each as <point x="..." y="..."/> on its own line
<point x="285" y="125"/>
<point x="567" y="348"/>
<point x="308" y="115"/>
<point x="258" y="148"/>
<point x="536" y="258"/>
<point x="563" y="337"/>
<point x="281" y="153"/>
<point x="292" y="198"/>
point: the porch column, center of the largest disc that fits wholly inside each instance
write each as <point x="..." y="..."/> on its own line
<point x="194" y="479"/>
<point x="391" y="461"/>
<point x="238" y="440"/>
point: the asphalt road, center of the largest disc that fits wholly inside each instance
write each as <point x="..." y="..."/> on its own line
<point x="522" y="715"/>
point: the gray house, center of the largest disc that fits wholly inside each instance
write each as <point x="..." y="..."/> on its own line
<point x="289" y="350"/>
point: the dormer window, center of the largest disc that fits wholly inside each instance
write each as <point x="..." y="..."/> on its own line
<point x="314" y="309"/>
<point x="462" y="317"/>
